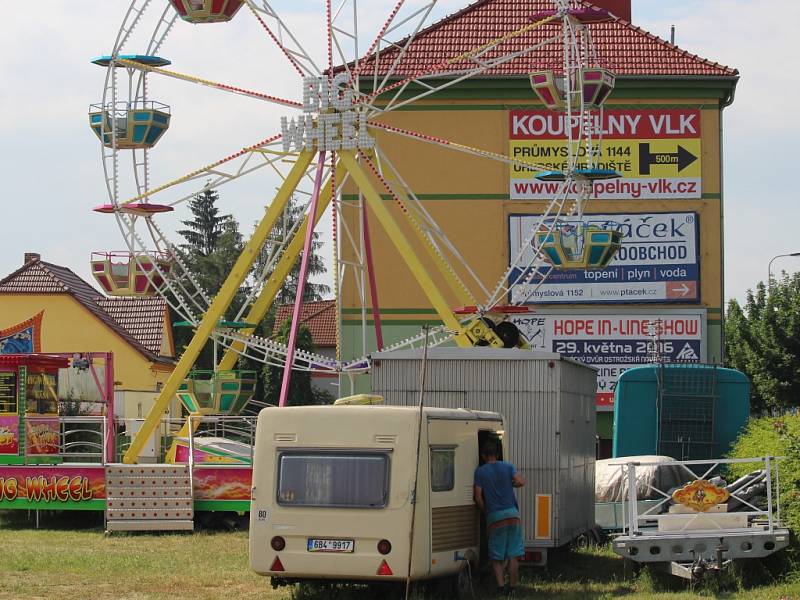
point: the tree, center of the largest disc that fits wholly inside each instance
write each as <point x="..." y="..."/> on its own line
<point x="206" y="226"/>
<point x="213" y="244"/>
<point x="762" y="339"/>
<point x="301" y="392"/>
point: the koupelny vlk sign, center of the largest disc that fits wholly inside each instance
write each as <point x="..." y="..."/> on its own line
<point x="657" y="152"/>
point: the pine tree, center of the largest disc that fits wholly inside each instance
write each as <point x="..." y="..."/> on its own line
<point x="213" y="244"/>
<point x="762" y="339"/>
<point x="206" y="226"/>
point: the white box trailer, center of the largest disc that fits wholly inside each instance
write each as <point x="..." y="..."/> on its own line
<point x="548" y="403"/>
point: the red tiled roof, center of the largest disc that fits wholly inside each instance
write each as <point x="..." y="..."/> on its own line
<point x="40" y="277"/>
<point x="319" y="317"/>
<point x="143" y="318"/>
<point x="621" y="47"/>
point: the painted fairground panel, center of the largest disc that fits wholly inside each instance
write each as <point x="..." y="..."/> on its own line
<point x="22" y="338"/>
<point x="214" y="450"/>
<point x="42" y="427"/>
<point x="42" y="436"/>
<point x="222" y="488"/>
<point x="9" y="435"/>
<point x="61" y="487"/>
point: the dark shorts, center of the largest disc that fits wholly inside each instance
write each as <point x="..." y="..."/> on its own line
<point x="505" y="534"/>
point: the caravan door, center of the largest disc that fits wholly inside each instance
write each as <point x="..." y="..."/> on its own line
<point x="452" y="459"/>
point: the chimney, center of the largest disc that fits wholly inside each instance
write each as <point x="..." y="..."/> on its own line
<point x="31" y="256"/>
<point x="618" y="8"/>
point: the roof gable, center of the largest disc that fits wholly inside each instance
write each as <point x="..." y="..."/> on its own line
<point x="133" y="319"/>
<point x="623" y="48"/>
<point x="143" y="318"/>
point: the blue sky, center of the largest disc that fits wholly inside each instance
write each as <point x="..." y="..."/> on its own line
<point x="51" y="161"/>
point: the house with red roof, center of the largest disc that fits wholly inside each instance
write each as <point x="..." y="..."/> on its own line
<point x="46" y="307"/>
<point x="662" y="130"/>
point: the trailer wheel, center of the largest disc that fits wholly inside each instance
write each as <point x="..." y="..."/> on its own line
<point x="582" y="542"/>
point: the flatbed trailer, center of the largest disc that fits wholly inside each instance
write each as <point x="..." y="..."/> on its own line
<point x="701" y="527"/>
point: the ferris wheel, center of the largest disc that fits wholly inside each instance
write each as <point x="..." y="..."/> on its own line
<point x="333" y="138"/>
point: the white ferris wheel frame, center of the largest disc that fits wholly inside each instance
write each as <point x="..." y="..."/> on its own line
<point x="389" y="92"/>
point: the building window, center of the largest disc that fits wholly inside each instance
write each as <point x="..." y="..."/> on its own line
<point x="443" y="469"/>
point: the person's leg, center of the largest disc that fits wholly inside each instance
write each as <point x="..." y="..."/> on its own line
<point x="515" y="548"/>
<point x="497" y="553"/>
<point x="513" y="571"/>
<point x="499" y="573"/>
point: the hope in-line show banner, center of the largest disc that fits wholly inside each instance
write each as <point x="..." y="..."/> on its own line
<point x="658" y="261"/>
<point x="657" y="152"/>
<point x="614" y="342"/>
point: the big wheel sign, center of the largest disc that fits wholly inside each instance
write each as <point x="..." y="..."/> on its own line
<point x="657" y="152"/>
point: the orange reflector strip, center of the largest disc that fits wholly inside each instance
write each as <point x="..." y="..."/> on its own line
<point x="543" y="517"/>
<point x="277" y="565"/>
<point x="384" y="569"/>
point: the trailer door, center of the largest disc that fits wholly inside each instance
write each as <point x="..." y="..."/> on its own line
<point x="453" y="458"/>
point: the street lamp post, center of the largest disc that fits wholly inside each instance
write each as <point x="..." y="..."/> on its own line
<point x="769" y="266"/>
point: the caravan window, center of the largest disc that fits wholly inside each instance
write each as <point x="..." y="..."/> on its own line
<point x="333" y="479"/>
<point x="443" y="469"/>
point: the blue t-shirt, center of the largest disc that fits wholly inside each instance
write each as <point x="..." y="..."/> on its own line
<point x="495" y="481"/>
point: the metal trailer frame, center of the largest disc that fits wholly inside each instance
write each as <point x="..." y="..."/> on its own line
<point x="549" y="405"/>
<point x="703" y="542"/>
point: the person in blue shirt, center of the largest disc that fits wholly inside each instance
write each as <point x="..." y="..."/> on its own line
<point x="495" y="481"/>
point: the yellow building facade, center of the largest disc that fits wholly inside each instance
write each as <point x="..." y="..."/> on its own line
<point x="663" y="134"/>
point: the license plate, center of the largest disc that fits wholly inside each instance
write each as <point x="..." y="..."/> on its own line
<point x="319" y="545"/>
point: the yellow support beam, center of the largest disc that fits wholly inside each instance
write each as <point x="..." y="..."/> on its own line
<point x="267" y="295"/>
<point x="362" y="180"/>
<point x="414" y="218"/>
<point x="219" y="305"/>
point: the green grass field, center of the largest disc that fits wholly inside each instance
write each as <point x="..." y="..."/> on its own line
<point x="83" y="564"/>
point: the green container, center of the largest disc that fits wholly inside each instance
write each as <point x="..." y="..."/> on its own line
<point x="686" y="411"/>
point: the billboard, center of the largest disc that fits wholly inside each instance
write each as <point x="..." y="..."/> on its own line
<point x="614" y="342"/>
<point x="659" y="261"/>
<point x="656" y="151"/>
